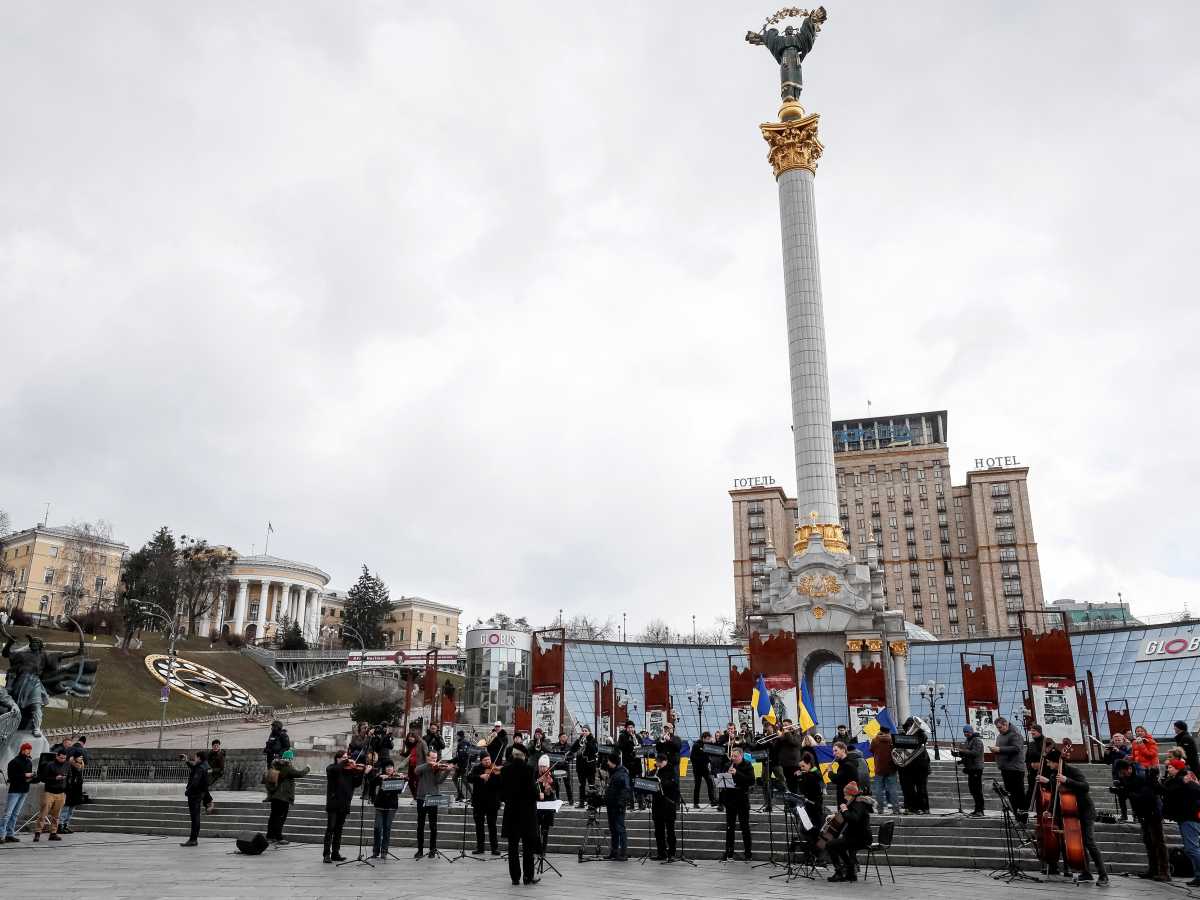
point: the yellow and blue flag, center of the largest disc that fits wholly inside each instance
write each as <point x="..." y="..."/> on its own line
<point x="804" y="717"/>
<point x="760" y="700"/>
<point x="881" y="719"/>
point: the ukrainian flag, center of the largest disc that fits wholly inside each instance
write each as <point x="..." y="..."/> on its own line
<point x="761" y="701"/>
<point x="882" y="718"/>
<point x="804" y="716"/>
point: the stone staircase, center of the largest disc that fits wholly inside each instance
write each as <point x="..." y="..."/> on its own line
<point x="945" y="841"/>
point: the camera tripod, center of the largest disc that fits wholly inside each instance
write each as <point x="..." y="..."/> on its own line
<point x="592" y="833"/>
<point x="1012" y="867"/>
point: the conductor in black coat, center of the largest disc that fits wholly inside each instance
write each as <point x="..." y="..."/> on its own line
<point x="664" y="806"/>
<point x="518" y="790"/>
<point x="736" y="801"/>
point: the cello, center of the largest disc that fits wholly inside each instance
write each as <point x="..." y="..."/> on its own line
<point x="1060" y="831"/>
<point x="1042" y="800"/>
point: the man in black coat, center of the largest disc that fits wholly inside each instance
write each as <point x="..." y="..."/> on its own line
<point x="1181" y="804"/>
<point x="485" y="803"/>
<point x="587" y="753"/>
<point x="197" y="787"/>
<point x="277" y="741"/>
<point x="518" y="790"/>
<point x="1186" y="742"/>
<point x="616" y="798"/>
<point x="341" y="780"/>
<point x="736" y="801"/>
<point x="627" y="745"/>
<point x="1062" y="775"/>
<point x="701" y="766"/>
<point x="563" y="746"/>
<point x="1142" y="792"/>
<point x="497" y="743"/>
<point x="663" y="807"/>
<point x="970" y="754"/>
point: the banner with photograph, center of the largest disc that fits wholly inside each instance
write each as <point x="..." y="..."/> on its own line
<point x="546" y="707"/>
<point x="1056" y="709"/>
<point x="982" y="717"/>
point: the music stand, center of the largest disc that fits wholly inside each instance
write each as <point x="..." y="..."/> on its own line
<point x="724" y="782"/>
<point x="648" y="786"/>
<point x="396" y="784"/>
<point x="362" y="804"/>
<point x="546" y="806"/>
<point x="437" y="801"/>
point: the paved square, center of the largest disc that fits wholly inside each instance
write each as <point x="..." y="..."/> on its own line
<point x="118" y="866"/>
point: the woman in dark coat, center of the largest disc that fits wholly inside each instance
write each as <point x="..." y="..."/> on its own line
<point x="518" y="789"/>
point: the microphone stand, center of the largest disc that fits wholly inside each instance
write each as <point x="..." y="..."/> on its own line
<point x="681" y="856"/>
<point x="362" y="805"/>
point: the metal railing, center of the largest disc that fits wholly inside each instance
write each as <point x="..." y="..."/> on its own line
<point x="140" y="774"/>
<point x="254" y="713"/>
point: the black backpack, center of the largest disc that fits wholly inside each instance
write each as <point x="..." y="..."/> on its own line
<point x="1181" y="866"/>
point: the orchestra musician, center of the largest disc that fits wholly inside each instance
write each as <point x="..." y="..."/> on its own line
<point x="616" y="798"/>
<point x="627" y="744"/>
<point x="669" y="744"/>
<point x="539" y="745"/>
<point x="587" y="753"/>
<point x="811" y="786"/>
<point x="914" y="768"/>
<point x="664" y="806"/>
<point x="701" y="765"/>
<point x="485" y="802"/>
<point x="429" y="776"/>
<point x="518" y="790"/>
<point x="736" y="801"/>
<point x="386" y="803"/>
<point x="970" y="755"/>
<point x="855" y="834"/>
<point x="1034" y="748"/>
<point x="1010" y="760"/>
<point x="546" y="791"/>
<point x="415" y="753"/>
<point x="767" y="749"/>
<point x="1060" y="775"/>
<point x="791" y="751"/>
<point x="342" y="777"/>
<point x="497" y="743"/>
<point x="563" y="746"/>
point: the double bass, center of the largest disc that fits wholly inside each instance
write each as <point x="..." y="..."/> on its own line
<point x="1059" y="831"/>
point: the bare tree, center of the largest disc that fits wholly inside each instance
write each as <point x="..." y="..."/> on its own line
<point x="81" y="575"/>
<point x="657" y="632"/>
<point x="583" y="628"/>
<point x="203" y="571"/>
<point x="7" y="573"/>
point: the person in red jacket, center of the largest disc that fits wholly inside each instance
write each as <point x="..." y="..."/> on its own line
<point x="1145" y="750"/>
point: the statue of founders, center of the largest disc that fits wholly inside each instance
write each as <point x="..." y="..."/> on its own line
<point x="34" y="675"/>
<point x="790" y="46"/>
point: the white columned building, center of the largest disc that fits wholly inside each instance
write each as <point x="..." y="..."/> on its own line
<point x="299" y="584"/>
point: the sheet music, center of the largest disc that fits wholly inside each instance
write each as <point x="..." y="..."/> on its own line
<point x="725" y="780"/>
<point x="549" y="805"/>
<point x="805" y="821"/>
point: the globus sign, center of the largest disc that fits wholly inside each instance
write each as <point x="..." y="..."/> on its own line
<point x="496" y="639"/>
<point x="1179" y="646"/>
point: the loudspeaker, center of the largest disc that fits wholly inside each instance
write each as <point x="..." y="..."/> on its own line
<point x="251" y="843"/>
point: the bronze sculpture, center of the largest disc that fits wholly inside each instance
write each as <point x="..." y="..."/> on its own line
<point x="34" y="675"/>
<point x="790" y="47"/>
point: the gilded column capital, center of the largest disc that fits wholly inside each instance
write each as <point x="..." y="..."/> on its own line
<point x="794" y="144"/>
<point x="875" y="646"/>
<point x="854" y="646"/>
<point x="898" y="648"/>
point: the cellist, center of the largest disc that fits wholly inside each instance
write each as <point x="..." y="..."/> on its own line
<point x="1064" y="779"/>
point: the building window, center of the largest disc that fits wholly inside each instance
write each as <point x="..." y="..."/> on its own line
<point x="402" y="634"/>
<point x="1008" y="553"/>
<point x="1000" y="490"/>
<point x="966" y="579"/>
<point x="970" y="612"/>
<point x="420" y="635"/>
<point x="962" y="532"/>
<point x="754" y="508"/>
<point x="758" y="536"/>
<point x="44" y="603"/>
<point x="970" y="628"/>
<point x="968" y="596"/>
<point x="954" y="629"/>
<point x="54" y="552"/>
<point x="937" y="629"/>
<point x="48" y="577"/>
<point x="758" y="568"/>
<point x="962" y="548"/>
<point x="1004" y="521"/>
<point x="1005" y="537"/>
<point x="756" y="522"/>
<point x="1004" y="504"/>
<point x="958" y="501"/>
<point x="99" y="585"/>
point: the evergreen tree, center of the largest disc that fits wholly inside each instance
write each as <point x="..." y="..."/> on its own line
<point x="367" y="605"/>
<point x="151" y="575"/>
<point x="293" y="637"/>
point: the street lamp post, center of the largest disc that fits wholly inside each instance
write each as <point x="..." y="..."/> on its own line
<point x="363" y="646"/>
<point x="698" y="696"/>
<point x="931" y="692"/>
<point x="175" y="626"/>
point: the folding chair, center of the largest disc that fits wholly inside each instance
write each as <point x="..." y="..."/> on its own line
<point x="882" y="845"/>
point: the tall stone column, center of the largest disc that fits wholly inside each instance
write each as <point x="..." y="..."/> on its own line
<point x="314" y="616"/>
<point x="263" y="597"/>
<point x="239" y="609"/>
<point x="794" y="151"/>
<point x="899" y="651"/>
<point x="222" y="599"/>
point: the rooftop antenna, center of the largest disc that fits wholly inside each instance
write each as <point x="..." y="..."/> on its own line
<point x="46" y="517"/>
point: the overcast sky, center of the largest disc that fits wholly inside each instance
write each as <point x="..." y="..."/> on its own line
<point x="493" y="301"/>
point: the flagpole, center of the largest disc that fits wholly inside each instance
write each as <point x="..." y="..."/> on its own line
<point x="267" y="542"/>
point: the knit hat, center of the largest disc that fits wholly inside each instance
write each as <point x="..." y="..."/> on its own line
<point x="26" y="746"/>
<point x="967" y="729"/>
<point x="851" y="789"/>
<point x="289" y="754"/>
<point x="544" y="760"/>
<point x="1177" y="764"/>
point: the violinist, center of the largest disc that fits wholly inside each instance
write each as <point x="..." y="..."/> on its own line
<point x="854" y="835"/>
<point x="811" y="787"/>
<point x="1062" y="778"/>
<point x="1034" y="748"/>
<point x="386" y="803"/>
<point x="546" y="791"/>
<point x="429" y="775"/>
<point x="485" y="802"/>
<point x="1142" y="791"/>
<point x="341" y="778"/>
<point x="736" y="801"/>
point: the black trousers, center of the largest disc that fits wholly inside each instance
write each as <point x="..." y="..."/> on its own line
<point x="664" y="829"/>
<point x="737" y="812"/>
<point x="520" y="858"/>
<point x="706" y="779"/>
<point x="333" y="832"/>
<point x="914" y="786"/>
<point x="1088" y="826"/>
<point x="975" y="786"/>
<point x="195" y="802"/>
<point x="1014" y="783"/>
<point x="587" y="778"/>
<point x="424" y="813"/>
<point x="488" y="815"/>
<point x="844" y="855"/>
<point x="275" y="821"/>
<point x="1156" y="846"/>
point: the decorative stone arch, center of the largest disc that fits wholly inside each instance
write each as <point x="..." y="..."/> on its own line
<point x="814" y="660"/>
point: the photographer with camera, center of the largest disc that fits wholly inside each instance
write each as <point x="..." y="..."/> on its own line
<point x="970" y="756"/>
<point x="1116" y="752"/>
<point x="381" y="742"/>
<point x="462" y="755"/>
